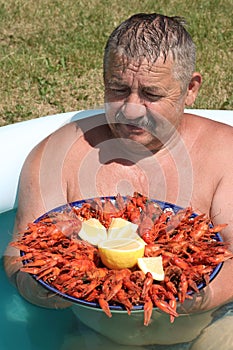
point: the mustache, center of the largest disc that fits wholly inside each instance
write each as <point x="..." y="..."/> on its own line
<point x="144" y="122"/>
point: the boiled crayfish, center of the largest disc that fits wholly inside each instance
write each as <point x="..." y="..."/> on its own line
<point x="54" y="253"/>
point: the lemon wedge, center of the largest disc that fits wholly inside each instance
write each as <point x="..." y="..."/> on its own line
<point x="121" y="228"/>
<point x="154" y="265"/>
<point x="93" y="231"/>
<point x="121" y="253"/>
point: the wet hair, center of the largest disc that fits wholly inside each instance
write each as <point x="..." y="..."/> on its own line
<point x="149" y="36"/>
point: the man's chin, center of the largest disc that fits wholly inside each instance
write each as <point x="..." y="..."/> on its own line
<point x="141" y="143"/>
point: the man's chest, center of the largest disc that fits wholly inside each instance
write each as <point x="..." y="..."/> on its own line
<point x="174" y="182"/>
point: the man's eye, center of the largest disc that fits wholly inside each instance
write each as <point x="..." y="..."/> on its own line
<point x="151" y="97"/>
<point x="118" y="91"/>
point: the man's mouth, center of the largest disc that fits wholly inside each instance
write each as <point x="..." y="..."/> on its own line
<point x="132" y="128"/>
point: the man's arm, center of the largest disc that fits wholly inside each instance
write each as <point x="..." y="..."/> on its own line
<point x="221" y="289"/>
<point x="31" y="204"/>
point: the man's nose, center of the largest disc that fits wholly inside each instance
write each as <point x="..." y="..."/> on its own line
<point x="133" y="108"/>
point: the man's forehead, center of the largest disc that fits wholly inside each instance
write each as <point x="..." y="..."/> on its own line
<point x="123" y="62"/>
<point x="119" y="66"/>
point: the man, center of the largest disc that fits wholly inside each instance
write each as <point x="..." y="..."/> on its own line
<point x="144" y="142"/>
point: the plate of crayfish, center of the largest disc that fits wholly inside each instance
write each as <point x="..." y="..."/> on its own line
<point x="191" y="248"/>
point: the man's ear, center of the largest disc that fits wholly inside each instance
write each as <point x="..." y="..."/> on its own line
<point x="193" y="88"/>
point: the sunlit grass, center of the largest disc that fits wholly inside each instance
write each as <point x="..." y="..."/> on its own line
<point x="51" y="52"/>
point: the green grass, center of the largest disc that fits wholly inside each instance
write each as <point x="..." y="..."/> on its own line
<point x="51" y="52"/>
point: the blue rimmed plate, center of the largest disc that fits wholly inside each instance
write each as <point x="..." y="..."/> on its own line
<point x="78" y="204"/>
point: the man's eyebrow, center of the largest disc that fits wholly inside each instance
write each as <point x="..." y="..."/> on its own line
<point x="116" y="80"/>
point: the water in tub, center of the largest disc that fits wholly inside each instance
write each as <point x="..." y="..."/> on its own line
<point x="26" y="326"/>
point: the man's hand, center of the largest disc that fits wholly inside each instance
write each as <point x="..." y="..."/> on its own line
<point x="36" y="294"/>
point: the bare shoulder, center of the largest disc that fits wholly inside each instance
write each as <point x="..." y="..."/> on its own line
<point x="203" y="121"/>
<point x="210" y="133"/>
<point x="72" y="139"/>
<point x="65" y="136"/>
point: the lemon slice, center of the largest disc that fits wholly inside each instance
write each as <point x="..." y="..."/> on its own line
<point x="154" y="265"/>
<point x="120" y="228"/>
<point x="93" y="231"/>
<point x="121" y="253"/>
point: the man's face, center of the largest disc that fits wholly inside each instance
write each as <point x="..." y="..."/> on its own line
<point x="143" y="102"/>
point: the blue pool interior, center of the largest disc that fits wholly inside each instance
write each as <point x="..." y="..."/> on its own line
<point x="23" y="325"/>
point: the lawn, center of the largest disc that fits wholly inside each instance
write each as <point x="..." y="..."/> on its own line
<point x="51" y="51"/>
